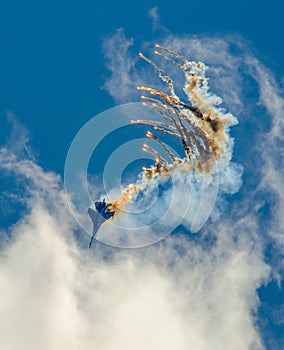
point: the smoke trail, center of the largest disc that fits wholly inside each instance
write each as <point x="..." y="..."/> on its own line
<point x="200" y="124"/>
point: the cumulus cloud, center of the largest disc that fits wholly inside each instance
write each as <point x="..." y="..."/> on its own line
<point x="178" y="294"/>
<point x="55" y="295"/>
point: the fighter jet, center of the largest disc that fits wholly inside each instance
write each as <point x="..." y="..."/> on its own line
<point x="99" y="216"/>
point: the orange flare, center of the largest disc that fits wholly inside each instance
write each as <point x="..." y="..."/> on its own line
<point x="143" y="88"/>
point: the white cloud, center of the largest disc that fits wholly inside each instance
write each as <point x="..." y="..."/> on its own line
<point x="271" y="145"/>
<point x="120" y="64"/>
<point x="154" y="15"/>
<point x="156" y="21"/>
<point x="56" y="295"/>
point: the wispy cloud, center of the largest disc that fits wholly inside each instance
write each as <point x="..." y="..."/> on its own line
<point x="156" y="21"/>
<point x="121" y="65"/>
<point x="271" y="147"/>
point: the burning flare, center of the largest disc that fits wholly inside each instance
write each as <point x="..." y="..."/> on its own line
<point x="200" y="125"/>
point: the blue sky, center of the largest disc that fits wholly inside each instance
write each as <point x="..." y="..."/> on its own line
<point x="53" y="66"/>
<point x="56" y="64"/>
